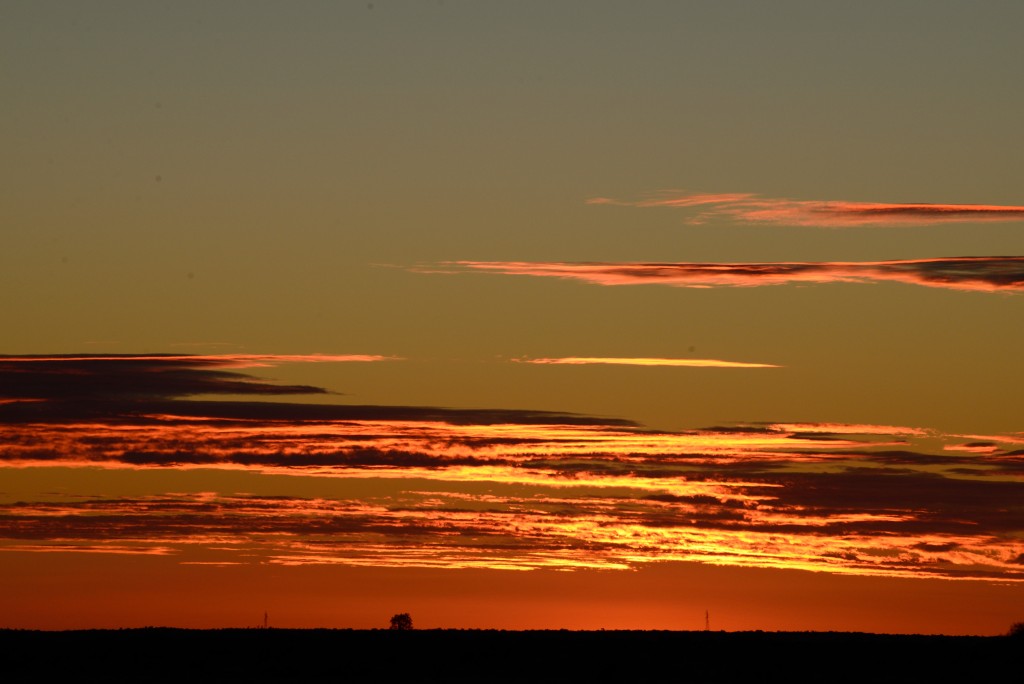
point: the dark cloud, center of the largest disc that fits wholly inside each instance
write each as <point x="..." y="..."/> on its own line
<point x="907" y="457"/>
<point x="336" y="412"/>
<point x="941" y="504"/>
<point x="56" y="388"/>
<point x="81" y="378"/>
<point x="358" y="458"/>
<point x="242" y="413"/>
<point x="936" y="548"/>
<point x="751" y="208"/>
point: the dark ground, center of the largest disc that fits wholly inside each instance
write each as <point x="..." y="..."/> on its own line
<point x="315" y="655"/>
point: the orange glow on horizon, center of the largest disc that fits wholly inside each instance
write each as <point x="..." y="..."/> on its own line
<point x="108" y="591"/>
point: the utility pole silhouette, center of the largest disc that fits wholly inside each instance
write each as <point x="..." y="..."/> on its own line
<point x="264" y="619"/>
<point x="707" y="621"/>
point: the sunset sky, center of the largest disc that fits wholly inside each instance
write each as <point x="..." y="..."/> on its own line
<point x="515" y="315"/>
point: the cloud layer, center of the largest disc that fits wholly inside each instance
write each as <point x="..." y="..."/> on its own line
<point x="515" y="489"/>
<point x="563" y="497"/>
<point x="985" y="274"/>
<point x="751" y="208"/>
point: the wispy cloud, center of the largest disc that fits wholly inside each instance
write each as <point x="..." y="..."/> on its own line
<point x="987" y="274"/>
<point x="751" y="208"/>
<point x="692" y="200"/>
<point x="618" y="361"/>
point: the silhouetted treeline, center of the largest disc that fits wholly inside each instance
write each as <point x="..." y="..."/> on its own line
<point x="320" y="655"/>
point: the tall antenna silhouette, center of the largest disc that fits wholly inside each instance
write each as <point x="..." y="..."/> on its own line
<point x="707" y="621"/>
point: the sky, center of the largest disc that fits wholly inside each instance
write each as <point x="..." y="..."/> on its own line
<point x="517" y="315"/>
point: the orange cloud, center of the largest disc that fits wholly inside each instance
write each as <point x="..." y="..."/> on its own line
<point x="227" y="360"/>
<point x="498" y="489"/>
<point x="984" y="274"/>
<point x="542" y="527"/>
<point x="835" y="213"/>
<point x="618" y="361"/>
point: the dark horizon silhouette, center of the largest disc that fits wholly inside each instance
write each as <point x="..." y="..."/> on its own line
<point x="256" y="654"/>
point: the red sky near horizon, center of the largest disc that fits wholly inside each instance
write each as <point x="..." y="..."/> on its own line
<point x="262" y="350"/>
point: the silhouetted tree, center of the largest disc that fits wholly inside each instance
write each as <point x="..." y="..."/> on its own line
<point x="1016" y="630"/>
<point x="401" y="621"/>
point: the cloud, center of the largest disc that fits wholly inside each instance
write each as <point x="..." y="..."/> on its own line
<point x="751" y="208"/>
<point x="618" y="361"/>
<point x="986" y="274"/>
<point x="693" y="200"/>
<point x="152" y="387"/>
<point x="869" y="529"/>
<point x="501" y="488"/>
<point x="93" y="377"/>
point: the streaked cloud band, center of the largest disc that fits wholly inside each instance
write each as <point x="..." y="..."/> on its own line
<point x="751" y="208"/>
<point x="501" y="489"/>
